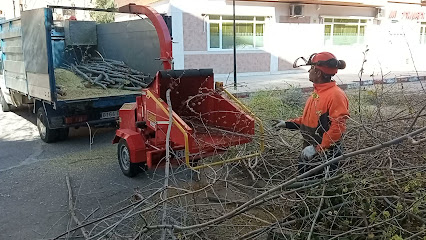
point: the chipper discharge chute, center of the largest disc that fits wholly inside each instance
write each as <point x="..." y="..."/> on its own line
<point x="205" y="122"/>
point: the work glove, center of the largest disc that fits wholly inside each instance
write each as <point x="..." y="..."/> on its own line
<point x="309" y="153"/>
<point x="279" y="124"/>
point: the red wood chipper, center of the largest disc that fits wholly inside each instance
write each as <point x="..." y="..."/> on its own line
<point x="206" y="120"/>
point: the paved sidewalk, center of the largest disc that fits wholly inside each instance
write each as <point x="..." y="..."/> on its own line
<point x="249" y="84"/>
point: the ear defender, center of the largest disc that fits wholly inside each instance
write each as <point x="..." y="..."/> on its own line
<point x="332" y="63"/>
<point x="341" y="64"/>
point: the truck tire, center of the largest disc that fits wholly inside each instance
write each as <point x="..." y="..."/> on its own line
<point x="63" y="133"/>
<point x="46" y="134"/>
<point x="5" y="107"/>
<point x="128" y="168"/>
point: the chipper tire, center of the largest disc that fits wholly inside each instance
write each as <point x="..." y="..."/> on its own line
<point x="46" y="134"/>
<point x="5" y="107"/>
<point x="128" y="168"/>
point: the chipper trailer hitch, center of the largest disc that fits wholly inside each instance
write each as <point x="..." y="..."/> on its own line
<point x="207" y="120"/>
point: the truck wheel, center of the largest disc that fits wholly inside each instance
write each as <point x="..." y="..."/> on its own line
<point x="5" y="107"/>
<point x="46" y="134"/>
<point x="128" y="168"/>
<point x="63" y="133"/>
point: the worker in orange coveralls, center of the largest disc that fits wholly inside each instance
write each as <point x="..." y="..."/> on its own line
<point x="324" y="117"/>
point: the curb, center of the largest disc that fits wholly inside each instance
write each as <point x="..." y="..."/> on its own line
<point x="353" y="85"/>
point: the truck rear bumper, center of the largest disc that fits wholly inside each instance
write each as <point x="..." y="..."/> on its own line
<point x="95" y="123"/>
<point x="95" y="112"/>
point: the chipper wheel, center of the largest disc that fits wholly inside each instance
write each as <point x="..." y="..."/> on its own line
<point x="128" y="168"/>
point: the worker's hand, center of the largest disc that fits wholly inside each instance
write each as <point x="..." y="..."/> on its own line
<point x="309" y="153"/>
<point x="279" y="124"/>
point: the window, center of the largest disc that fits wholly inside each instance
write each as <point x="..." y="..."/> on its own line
<point x="423" y="33"/>
<point x="344" y="31"/>
<point x="249" y="32"/>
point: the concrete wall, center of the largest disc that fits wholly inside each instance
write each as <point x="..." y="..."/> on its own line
<point x="194" y="33"/>
<point x="222" y="63"/>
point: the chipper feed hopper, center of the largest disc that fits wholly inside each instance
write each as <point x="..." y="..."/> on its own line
<point x="206" y="120"/>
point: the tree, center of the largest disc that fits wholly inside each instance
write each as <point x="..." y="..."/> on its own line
<point x="103" y="17"/>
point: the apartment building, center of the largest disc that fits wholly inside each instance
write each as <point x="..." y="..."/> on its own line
<point x="270" y="35"/>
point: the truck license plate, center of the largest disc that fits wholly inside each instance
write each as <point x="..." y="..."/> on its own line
<point x="111" y="114"/>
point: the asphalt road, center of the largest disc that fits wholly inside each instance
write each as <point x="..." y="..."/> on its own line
<point x="33" y="190"/>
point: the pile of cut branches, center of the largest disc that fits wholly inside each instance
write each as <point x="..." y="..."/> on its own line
<point x="379" y="191"/>
<point x="108" y="73"/>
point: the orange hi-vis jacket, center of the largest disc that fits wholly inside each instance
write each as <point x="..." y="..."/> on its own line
<point x="324" y="118"/>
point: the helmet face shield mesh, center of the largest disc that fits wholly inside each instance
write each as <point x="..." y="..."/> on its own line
<point x="296" y="64"/>
<point x="310" y="62"/>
